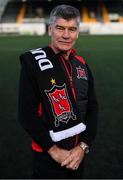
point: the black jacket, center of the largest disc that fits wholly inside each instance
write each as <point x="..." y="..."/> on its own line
<point x="29" y="101"/>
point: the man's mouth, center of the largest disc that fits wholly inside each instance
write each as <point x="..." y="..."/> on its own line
<point x="64" y="42"/>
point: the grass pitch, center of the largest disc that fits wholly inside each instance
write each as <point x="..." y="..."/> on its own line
<point x="104" y="54"/>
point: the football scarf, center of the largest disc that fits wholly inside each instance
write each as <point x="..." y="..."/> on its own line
<point x="59" y="107"/>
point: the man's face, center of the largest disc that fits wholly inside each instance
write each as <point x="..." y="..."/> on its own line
<point x="63" y="34"/>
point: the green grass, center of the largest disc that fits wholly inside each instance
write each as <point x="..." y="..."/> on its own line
<point x="104" y="54"/>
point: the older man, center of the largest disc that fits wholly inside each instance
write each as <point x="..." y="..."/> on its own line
<point x="57" y="101"/>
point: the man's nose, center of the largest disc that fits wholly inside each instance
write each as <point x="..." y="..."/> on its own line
<point x="66" y="33"/>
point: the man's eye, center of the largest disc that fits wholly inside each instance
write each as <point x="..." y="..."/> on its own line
<point x="72" y="29"/>
<point x="60" y="28"/>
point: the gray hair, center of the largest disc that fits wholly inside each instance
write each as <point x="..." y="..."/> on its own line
<point x="66" y="12"/>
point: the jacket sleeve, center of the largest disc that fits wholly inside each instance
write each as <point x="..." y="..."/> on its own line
<point x="29" y="99"/>
<point x="92" y="112"/>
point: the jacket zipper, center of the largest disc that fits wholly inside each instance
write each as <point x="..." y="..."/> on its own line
<point x="69" y="73"/>
<point x="69" y="76"/>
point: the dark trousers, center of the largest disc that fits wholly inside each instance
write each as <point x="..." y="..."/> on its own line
<point x="44" y="167"/>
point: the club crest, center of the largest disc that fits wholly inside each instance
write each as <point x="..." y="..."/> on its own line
<point x="81" y="73"/>
<point x="60" y="103"/>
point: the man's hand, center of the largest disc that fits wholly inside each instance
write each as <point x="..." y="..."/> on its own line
<point x="74" y="159"/>
<point x="58" y="154"/>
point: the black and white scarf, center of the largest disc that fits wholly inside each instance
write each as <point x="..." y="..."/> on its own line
<point x="59" y="106"/>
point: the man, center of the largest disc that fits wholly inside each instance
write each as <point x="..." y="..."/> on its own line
<point x="57" y="101"/>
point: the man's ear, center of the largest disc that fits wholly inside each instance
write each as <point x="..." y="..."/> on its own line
<point x="77" y="35"/>
<point x="49" y="30"/>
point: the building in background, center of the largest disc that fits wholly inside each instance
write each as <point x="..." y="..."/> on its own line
<point x="31" y="16"/>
